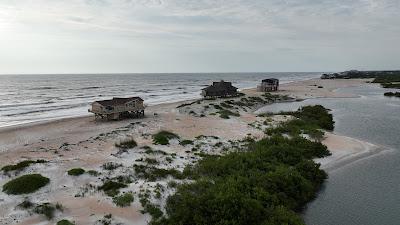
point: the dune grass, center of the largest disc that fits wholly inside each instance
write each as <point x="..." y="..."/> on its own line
<point x="21" y="165"/>
<point x="126" y="144"/>
<point x="163" y="137"/>
<point x="186" y="142"/>
<point x="65" y="222"/>
<point x="123" y="200"/>
<point x="225" y="114"/>
<point x="111" y="188"/>
<point x="25" y="184"/>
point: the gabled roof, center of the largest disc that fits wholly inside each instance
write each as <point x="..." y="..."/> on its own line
<point x="117" y="101"/>
<point x="221" y="85"/>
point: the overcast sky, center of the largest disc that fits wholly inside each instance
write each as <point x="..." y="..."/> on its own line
<point x="92" y="36"/>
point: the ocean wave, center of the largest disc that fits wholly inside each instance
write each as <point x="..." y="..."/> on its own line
<point x="49" y="109"/>
<point x="25" y="104"/>
<point x="42" y="88"/>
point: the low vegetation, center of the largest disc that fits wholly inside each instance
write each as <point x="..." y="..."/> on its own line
<point x="151" y="173"/>
<point x="154" y="210"/>
<point x="391" y="80"/>
<point x="387" y="78"/>
<point x="25" y="184"/>
<point x="392" y="94"/>
<point x="111" y="188"/>
<point x="47" y="209"/>
<point x="316" y="115"/>
<point x="163" y="137"/>
<point x="65" y="222"/>
<point x="391" y="85"/>
<point x="225" y="114"/>
<point x="309" y="120"/>
<point x="186" y="142"/>
<point x="111" y="166"/>
<point x="76" y="172"/>
<point x="126" y="144"/>
<point x="123" y="200"/>
<point x="21" y="165"/>
<point x="268" y="182"/>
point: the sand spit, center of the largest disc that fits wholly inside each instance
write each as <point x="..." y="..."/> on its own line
<point x="89" y="144"/>
<point x="346" y="150"/>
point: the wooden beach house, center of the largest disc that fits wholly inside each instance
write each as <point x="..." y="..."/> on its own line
<point x="118" y="108"/>
<point x="219" y="89"/>
<point x="271" y="84"/>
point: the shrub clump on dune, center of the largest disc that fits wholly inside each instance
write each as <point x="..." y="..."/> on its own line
<point x="25" y="184"/>
<point x="76" y="172"/>
<point x="65" y="222"/>
<point x="111" y="188"/>
<point x="123" y="200"/>
<point x="21" y="165"/>
<point x="126" y="144"/>
<point x="163" y="137"/>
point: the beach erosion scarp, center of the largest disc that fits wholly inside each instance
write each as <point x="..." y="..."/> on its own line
<point x="89" y="144"/>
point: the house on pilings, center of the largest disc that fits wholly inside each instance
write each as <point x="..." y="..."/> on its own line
<point x="219" y="89"/>
<point x="118" y="108"/>
<point x="271" y="84"/>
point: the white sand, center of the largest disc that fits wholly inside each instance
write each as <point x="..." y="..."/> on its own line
<point x="345" y="150"/>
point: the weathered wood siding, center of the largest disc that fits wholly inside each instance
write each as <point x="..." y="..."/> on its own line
<point x="135" y="105"/>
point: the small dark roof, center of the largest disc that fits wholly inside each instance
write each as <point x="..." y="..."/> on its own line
<point x="222" y="84"/>
<point x="117" y="101"/>
<point x="271" y="80"/>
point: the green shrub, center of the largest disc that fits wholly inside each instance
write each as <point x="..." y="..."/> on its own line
<point x="76" y="172"/>
<point x="46" y="209"/>
<point x="226" y="113"/>
<point x="152" y="173"/>
<point x="267" y="182"/>
<point x="186" y="142"/>
<point x="126" y="144"/>
<point x="123" y="200"/>
<point x="111" y="188"/>
<point x="25" y="184"/>
<point x="163" y="137"/>
<point x="26" y="204"/>
<point x="21" y="165"/>
<point x="151" y="161"/>
<point x="390" y="85"/>
<point x="111" y="166"/>
<point x="93" y="173"/>
<point x="224" y="116"/>
<point x="392" y="94"/>
<point x="153" y="210"/>
<point x="65" y="222"/>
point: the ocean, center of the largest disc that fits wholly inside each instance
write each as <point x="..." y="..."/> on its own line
<point x="365" y="192"/>
<point x="33" y="98"/>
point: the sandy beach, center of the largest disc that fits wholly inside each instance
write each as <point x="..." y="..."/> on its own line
<point x="89" y="144"/>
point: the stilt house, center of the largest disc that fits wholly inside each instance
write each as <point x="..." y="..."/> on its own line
<point x="219" y="89"/>
<point x="118" y="108"/>
<point x="271" y="84"/>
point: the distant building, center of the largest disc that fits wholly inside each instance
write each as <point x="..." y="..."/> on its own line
<point x="271" y="84"/>
<point x="219" y="89"/>
<point x="118" y="108"/>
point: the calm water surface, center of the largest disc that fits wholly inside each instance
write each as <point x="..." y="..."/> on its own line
<point x="366" y="192"/>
